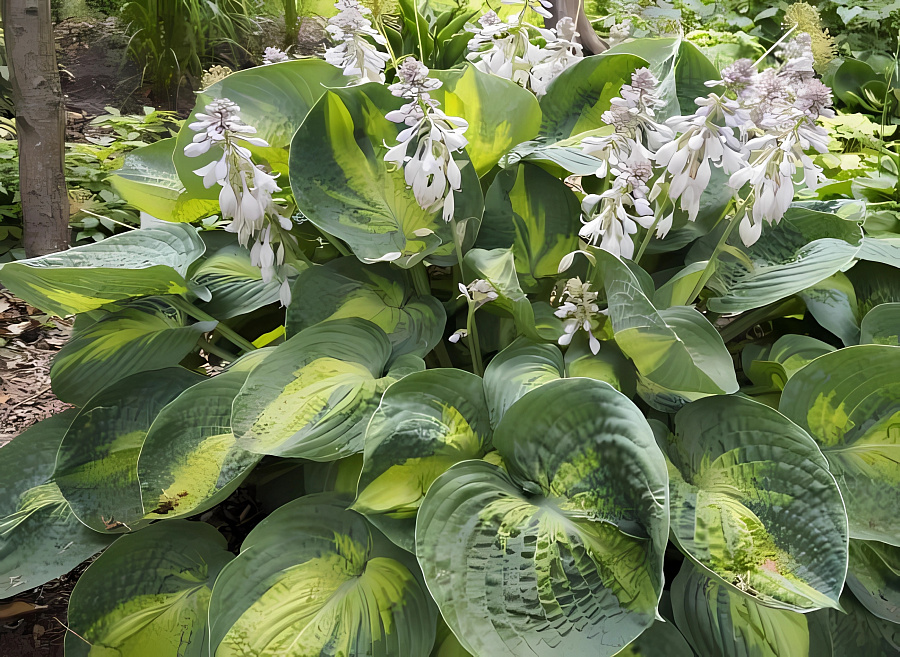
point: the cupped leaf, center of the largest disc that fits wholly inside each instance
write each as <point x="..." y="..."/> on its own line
<point x="661" y="638"/>
<point x="499" y="112"/>
<point x="857" y="632"/>
<point x="849" y="401"/>
<point x="40" y="537"/>
<point x="608" y="364"/>
<point x="772" y="366"/>
<point x="273" y="99"/>
<point x="316" y="579"/>
<point x="498" y="268"/>
<point x="425" y="423"/>
<point x="832" y="302"/>
<point x="379" y="293"/>
<point x="881" y="325"/>
<point x="753" y="502"/>
<point x="148" y="180"/>
<point x="137" y="263"/>
<point x="96" y="467"/>
<point x="343" y="185"/>
<point x="235" y="283"/>
<point x="874" y="577"/>
<point x="313" y="395"/>
<point x="679" y="355"/>
<point x="806" y="247"/>
<point x="577" y="98"/>
<point x="536" y="215"/>
<point x="189" y="461"/>
<point x="560" y="552"/>
<point x="146" y="334"/>
<point x="148" y="595"/>
<point x="522" y="366"/>
<point x="719" y="622"/>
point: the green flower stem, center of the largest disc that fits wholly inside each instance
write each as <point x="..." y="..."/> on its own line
<point x="224" y="354"/>
<point x="335" y="242"/>
<point x="711" y="263"/>
<point x="419" y="275"/>
<point x="472" y="341"/>
<point x="646" y="241"/>
<point x="190" y="309"/>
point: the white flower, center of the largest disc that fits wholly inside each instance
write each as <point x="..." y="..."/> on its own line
<point x="703" y="143"/>
<point x="619" y="32"/>
<point x="246" y="194"/>
<point x="503" y="49"/>
<point x="614" y="215"/>
<point x="457" y="334"/>
<point x="432" y="136"/>
<point x="579" y="311"/>
<point x="478" y="292"/>
<point x="354" y="53"/>
<point x="274" y="55"/>
<point x="558" y="55"/>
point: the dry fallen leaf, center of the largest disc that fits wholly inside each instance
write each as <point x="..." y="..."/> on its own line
<point x="16" y="609"/>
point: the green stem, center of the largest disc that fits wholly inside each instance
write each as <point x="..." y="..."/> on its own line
<point x="443" y="355"/>
<point x="335" y="242"/>
<point x="190" y="309"/>
<point x="210" y="348"/>
<point x="420" y="281"/>
<point x="646" y="241"/>
<point x="472" y="341"/>
<point x="711" y="263"/>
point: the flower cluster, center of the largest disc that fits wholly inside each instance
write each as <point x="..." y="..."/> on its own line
<point x="784" y="105"/>
<point x="275" y="55"/>
<point x="246" y="195"/>
<point x="579" y="311"/>
<point x="425" y="148"/>
<point x="355" y="53"/>
<point x="505" y="48"/>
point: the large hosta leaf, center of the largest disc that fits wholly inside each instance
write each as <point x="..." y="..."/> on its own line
<point x="40" y="537"/>
<point x="425" y="423"/>
<point x="316" y="579"/>
<point x="96" y="468"/>
<point x="881" y="325"/>
<point x="874" y="577"/>
<point x="148" y="595"/>
<point x="857" y="632"/>
<point x="849" y="401"/>
<point x="561" y="551"/>
<point x="273" y="99"/>
<point x="577" y="98"/>
<point x="832" y="302"/>
<point x="771" y="366"/>
<point x="520" y="367"/>
<point x="499" y="112"/>
<point x="343" y="185"/>
<point x="147" y="334"/>
<point x="313" y="395"/>
<point x="379" y="293"/>
<point x="753" y="502"/>
<point x="534" y="213"/>
<point x="679" y="355"/>
<point x="608" y="364"/>
<point x="806" y="247"/>
<point x="661" y="638"/>
<point x="189" y="461"/>
<point x="137" y="263"/>
<point x="148" y="180"/>
<point x="235" y="283"/>
<point x="719" y="622"/>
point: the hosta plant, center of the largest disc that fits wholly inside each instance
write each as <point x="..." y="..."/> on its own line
<point x="538" y="353"/>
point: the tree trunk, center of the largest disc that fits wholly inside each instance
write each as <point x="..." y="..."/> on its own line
<point x="40" y="124"/>
<point x="587" y="36"/>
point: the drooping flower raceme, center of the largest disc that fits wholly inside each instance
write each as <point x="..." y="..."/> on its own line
<point x="425" y="148"/>
<point x="580" y="312"/>
<point x="776" y="156"/>
<point x="611" y="218"/>
<point x="502" y="48"/>
<point x="706" y="139"/>
<point x="558" y="55"/>
<point x="246" y="195"/>
<point x="354" y="52"/>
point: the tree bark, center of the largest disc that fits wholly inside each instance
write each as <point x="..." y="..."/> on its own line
<point x="40" y="124"/>
<point x="587" y="36"/>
